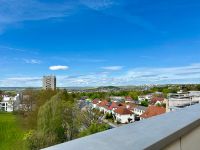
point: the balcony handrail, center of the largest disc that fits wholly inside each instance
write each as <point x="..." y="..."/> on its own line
<point x="150" y="134"/>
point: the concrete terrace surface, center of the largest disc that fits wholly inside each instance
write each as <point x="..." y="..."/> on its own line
<point x="159" y="132"/>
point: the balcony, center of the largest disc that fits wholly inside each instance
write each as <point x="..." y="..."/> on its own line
<point x="179" y="130"/>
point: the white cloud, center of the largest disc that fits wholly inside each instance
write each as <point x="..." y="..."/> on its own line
<point x="181" y="74"/>
<point x="32" y="61"/>
<point x="113" y="68"/>
<point x="59" y="67"/>
<point x="136" y="76"/>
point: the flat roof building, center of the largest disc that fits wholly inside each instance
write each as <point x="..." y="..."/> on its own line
<point x="49" y="82"/>
<point x="182" y="99"/>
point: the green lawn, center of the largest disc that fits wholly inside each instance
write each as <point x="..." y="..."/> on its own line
<point x="11" y="135"/>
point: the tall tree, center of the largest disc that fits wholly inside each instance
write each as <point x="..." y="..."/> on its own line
<point x="58" y="121"/>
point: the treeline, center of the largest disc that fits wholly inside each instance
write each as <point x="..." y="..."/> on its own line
<point x="135" y="93"/>
<point x="8" y="93"/>
<point x="53" y="117"/>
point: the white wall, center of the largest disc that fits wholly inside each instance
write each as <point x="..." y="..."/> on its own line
<point x="138" y="111"/>
<point x="6" y="106"/>
<point x="7" y="103"/>
<point x="189" y="141"/>
<point x="124" y="118"/>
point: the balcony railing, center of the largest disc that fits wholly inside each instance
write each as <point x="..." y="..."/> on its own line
<point x="179" y="130"/>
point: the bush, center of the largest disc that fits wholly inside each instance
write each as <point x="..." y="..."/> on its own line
<point x="94" y="128"/>
<point x="145" y="103"/>
<point x="109" y="116"/>
<point x="118" y="122"/>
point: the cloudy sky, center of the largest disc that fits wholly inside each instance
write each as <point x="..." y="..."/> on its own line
<point x="99" y="42"/>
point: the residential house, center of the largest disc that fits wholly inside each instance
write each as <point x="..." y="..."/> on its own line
<point x="157" y="101"/>
<point x="144" y="97"/>
<point x="103" y="106"/>
<point x="139" y="110"/>
<point x="7" y="103"/>
<point x="123" y="115"/>
<point x="158" y="94"/>
<point x="153" y="111"/>
<point x="128" y="99"/>
<point x="136" y="102"/>
<point x="131" y="106"/>
<point x="117" y="98"/>
<point x="114" y="106"/>
<point x="95" y="103"/>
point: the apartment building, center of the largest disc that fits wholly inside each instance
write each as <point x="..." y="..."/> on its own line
<point x="49" y="82"/>
<point x="182" y="99"/>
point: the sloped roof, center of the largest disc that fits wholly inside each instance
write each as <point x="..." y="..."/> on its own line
<point x="131" y="106"/>
<point x="96" y="101"/>
<point x="155" y="99"/>
<point x="128" y="98"/>
<point x="153" y="111"/>
<point x="123" y="111"/>
<point x="114" y="105"/>
<point x="141" y="108"/>
<point x="103" y="103"/>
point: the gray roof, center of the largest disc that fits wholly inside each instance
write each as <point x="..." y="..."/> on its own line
<point x="142" y="108"/>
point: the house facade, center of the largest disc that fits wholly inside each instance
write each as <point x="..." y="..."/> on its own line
<point x="139" y="110"/>
<point x="95" y="103"/>
<point x="103" y="106"/>
<point x="123" y="115"/>
<point x="7" y="103"/>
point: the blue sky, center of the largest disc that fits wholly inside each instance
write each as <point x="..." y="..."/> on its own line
<point x="99" y="42"/>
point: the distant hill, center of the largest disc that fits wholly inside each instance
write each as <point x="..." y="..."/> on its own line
<point x="108" y="88"/>
<point x="17" y="88"/>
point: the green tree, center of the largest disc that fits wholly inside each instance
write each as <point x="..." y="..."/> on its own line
<point x="134" y="95"/>
<point x="58" y="121"/>
<point x="32" y="101"/>
<point x="145" y="103"/>
<point x="1" y="95"/>
<point x="94" y="128"/>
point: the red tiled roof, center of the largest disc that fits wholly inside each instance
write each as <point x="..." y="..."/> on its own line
<point x="103" y="103"/>
<point x="130" y="106"/>
<point x="155" y="99"/>
<point x="123" y="111"/>
<point x="114" y="105"/>
<point x="128" y="98"/>
<point x="153" y="111"/>
<point x="96" y="101"/>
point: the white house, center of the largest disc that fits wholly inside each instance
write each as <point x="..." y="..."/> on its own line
<point x="7" y="103"/>
<point x="139" y="110"/>
<point x="113" y="106"/>
<point x="103" y="106"/>
<point x="128" y="99"/>
<point x="95" y="103"/>
<point x="144" y="97"/>
<point x="123" y="115"/>
<point x="117" y="98"/>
